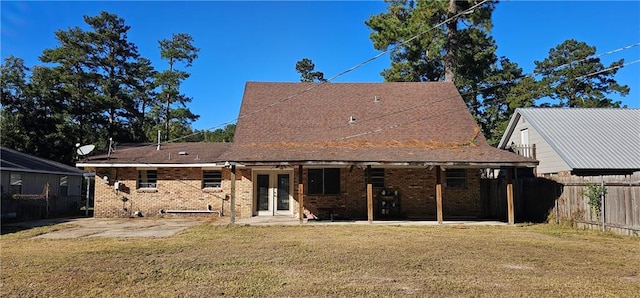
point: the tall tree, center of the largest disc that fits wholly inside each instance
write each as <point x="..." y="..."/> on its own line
<point x="504" y="90"/>
<point x="573" y="78"/>
<point x="179" y="49"/>
<point x="79" y="83"/>
<point x="112" y="56"/>
<point x="144" y="97"/>
<point x="16" y="106"/>
<point x="439" y="41"/>
<point x="33" y="120"/>
<point x="446" y="42"/>
<point x="306" y="69"/>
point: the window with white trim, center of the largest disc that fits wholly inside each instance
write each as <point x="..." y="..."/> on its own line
<point x="211" y="179"/>
<point x="147" y="179"/>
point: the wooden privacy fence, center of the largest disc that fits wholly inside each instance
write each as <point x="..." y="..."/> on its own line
<point x="621" y="209"/>
<point x="563" y="199"/>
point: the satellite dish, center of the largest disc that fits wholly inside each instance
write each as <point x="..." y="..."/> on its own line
<point x="86" y="149"/>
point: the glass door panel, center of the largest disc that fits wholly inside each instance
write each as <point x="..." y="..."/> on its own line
<point x="283" y="192"/>
<point x="263" y="192"/>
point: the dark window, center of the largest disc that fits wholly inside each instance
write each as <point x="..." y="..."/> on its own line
<point x="16" y="183"/>
<point x="211" y="179"/>
<point x="147" y="178"/>
<point x="323" y="181"/>
<point x="456" y="178"/>
<point x="64" y="186"/>
<point x="377" y="178"/>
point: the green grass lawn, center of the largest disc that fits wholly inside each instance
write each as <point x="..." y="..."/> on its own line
<point x="310" y="261"/>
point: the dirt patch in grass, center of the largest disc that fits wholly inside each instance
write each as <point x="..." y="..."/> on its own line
<point x="210" y="260"/>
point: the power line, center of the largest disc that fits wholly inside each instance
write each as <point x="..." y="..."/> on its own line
<point x="395" y="125"/>
<point x="608" y="69"/>
<point x="315" y="85"/>
<point x="598" y="56"/>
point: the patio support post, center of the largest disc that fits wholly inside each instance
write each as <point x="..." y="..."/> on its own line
<point x="86" y="204"/>
<point x="369" y="195"/>
<point x="300" y="194"/>
<point x="510" y="213"/>
<point x="439" y="194"/>
<point x="233" y="194"/>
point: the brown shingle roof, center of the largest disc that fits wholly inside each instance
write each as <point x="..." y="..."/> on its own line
<point x="393" y="122"/>
<point x="169" y="153"/>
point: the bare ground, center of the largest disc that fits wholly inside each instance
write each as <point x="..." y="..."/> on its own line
<point x="208" y="259"/>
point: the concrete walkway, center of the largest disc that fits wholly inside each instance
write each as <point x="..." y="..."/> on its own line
<point x="287" y="220"/>
<point x="102" y="227"/>
<point x="167" y="227"/>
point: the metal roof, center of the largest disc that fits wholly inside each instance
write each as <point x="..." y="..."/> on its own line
<point x="590" y="138"/>
<point x="11" y="160"/>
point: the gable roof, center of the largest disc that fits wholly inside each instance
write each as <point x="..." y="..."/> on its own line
<point x="147" y="155"/>
<point x="405" y="122"/>
<point x="11" y="160"/>
<point x="586" y="138"/>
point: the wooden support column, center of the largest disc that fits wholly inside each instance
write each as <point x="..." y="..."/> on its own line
<point x="439" y="194"/>
<point x="369" y="195"/>
<point x="233" y="194"/>
<point x="510" y="213"/>
<point x="300" y="194"/>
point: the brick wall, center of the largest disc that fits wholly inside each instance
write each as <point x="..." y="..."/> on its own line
<point x="416" y="189"/>
<point x="181" y="189"/>
<point x="177" y="189"/>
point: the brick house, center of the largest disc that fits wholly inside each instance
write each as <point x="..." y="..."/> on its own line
<point x="151" y="180"/>
<point x="345" y="150"/>
<point x="363" y="150"/>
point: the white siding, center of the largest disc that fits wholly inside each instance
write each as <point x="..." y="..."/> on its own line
<point x="550" y="161"/>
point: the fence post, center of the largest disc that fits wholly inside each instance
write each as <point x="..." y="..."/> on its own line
<point x="602" y="202"/>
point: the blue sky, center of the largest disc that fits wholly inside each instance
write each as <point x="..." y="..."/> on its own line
<point x="261" y="41"/>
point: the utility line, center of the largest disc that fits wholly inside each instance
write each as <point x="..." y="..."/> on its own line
<point x="608" y="69"/>
<point x="315" y="85"/>
<point x="598" y="56"/>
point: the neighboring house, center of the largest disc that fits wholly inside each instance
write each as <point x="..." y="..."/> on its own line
<point x="148" y="180"/>
<point x="347" y="150"/>
<point x="576" y="141"/>
<point x="28" y="178"/>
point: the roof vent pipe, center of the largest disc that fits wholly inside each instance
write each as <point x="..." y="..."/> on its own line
<point x="352" y="120"/>
<point x="158" y="140"/>
<point x="110" y="147"/>
<point x="376" y="99"/>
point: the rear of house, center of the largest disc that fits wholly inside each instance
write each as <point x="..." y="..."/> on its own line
<point x="339" y="150"/>
<point x="363" y="151"/>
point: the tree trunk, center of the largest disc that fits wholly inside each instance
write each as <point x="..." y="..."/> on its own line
<point x="168" y="107"/>
<point x="452" y="30"/>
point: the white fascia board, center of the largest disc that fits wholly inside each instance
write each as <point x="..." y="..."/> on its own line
<point x="149" y="165"/>
<point x="509" y="130"/>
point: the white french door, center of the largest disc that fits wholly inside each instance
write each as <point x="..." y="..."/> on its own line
<point x="272" y="193"/>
